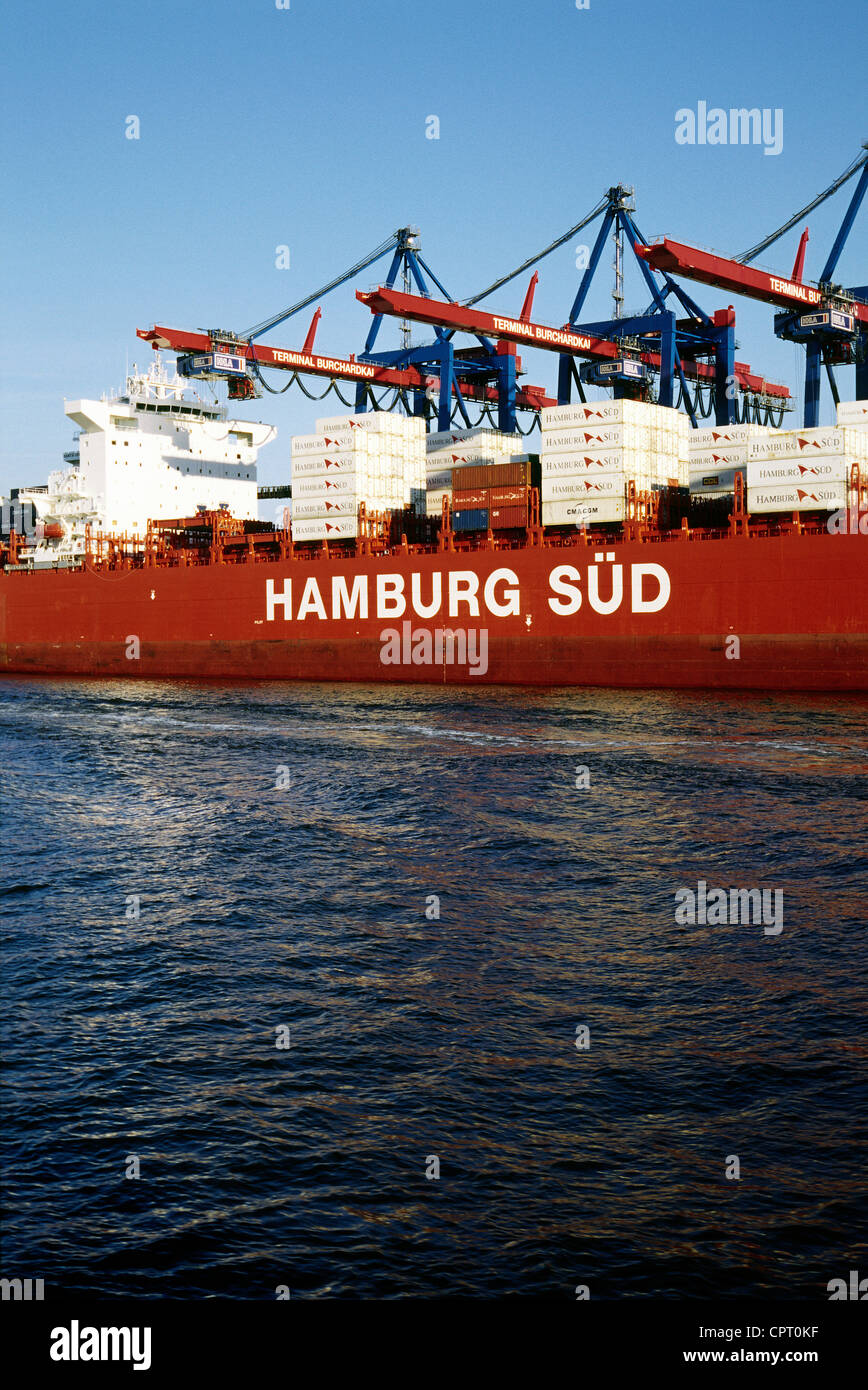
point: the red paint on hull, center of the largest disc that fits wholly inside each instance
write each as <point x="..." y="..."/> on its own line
<point x="796" y="603"/>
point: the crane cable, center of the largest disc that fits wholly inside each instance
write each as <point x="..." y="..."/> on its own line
<point x="761" y="246"/>
<point x="263" y="327"/>
<point x="540" y="255"/>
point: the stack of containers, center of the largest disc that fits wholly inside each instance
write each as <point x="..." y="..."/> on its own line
<point x="590" y="452"/>
<point x="716" y="455"/>
<point x="376" y="458"/>
<point x="804" y="470"/>
<point x="453" y="449"/>
<point x="492" y="495"/>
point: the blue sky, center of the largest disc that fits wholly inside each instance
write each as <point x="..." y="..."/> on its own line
<point x="262" y="127"/>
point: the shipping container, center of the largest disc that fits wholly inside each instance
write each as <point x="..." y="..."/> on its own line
<point x="724" y="436"/>
<point x="853" y="413"/>
<point x="604" y="511"/>
<point x="317" y="484"/>
<point x="378" y="421"/>
<point x="778" y="472"/>
<point x="508" y="496"/>
<point x="434" y="502"/>
<point x="606" y="412"/>
<point x="339" y="442"/>
<point x="572" y="463"/>
<point x="827" y="497"/>
<point x="309" y="464"/>
<point x="576" y="488"/>
<point x="440" y="478"/>
<point x="712" y="483"/>
<point x="321" y="529"/>
<point x="812" y="443"/>
<point x="305" y="508"/>
<point x="508" y="517"/>
<point x="472" y="519"/>
<point x="734" y="456"/>
<point x="713" y="510"/>
<point x="466" y="498"/>
<point x="491" y="475"/>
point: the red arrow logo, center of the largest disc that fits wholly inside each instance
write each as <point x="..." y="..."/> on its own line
<point x="808" y="444"/>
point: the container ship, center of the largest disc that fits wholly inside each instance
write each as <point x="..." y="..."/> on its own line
<point x="632" y="546"/>
<point x="629" y="551"/>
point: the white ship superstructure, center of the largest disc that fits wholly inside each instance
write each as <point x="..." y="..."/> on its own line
<point x="149" y="454"/>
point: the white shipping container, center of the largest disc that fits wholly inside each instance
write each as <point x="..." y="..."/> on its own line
<point x="460" y="454"/>
<point x="568" y="462"/>
<point x="819" y="497"/>
<point x="434" y="501"/>
<point x="853" y="413"/>
<point x="439" y="478"/>
<point x="813" y="443"/>
<point x="555" y="417"/>
<point x="318" y="486"/>
<point x="327" y="465"/>
<point x="444" y="438"/>
<point x="719" y="437"/>
<point x="735" y="456"/>
<point x="643" y="466"/>
<point x="306" y="507"/>
<point x="602" y="511"/>
<point x="382" y="421"/>
<point x="583" y="488"/>
<point x="777" y="472"/>
<point x="603" y="437"/>
<point x="319" y="443"/>
<point x="322" y="529"/>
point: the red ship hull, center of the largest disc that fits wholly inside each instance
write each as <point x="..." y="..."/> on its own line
<point x="775" y="612"/>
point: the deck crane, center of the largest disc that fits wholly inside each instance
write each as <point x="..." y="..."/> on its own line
<point x="621" y="351"/>
<point x="239" y="358"/>
<point x="831" y="321"/>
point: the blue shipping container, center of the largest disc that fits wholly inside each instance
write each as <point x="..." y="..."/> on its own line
<point x="471" y="519"/>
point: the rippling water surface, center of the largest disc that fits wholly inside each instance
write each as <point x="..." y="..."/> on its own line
<point x="305" y="906"/>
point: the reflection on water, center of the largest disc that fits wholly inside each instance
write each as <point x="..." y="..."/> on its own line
<point x="455" y="1035"/>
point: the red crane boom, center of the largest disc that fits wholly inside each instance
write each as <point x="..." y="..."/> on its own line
<point x="562" y="340"/>
<point x="339" y="368"/>
<point x="677" y="258"/>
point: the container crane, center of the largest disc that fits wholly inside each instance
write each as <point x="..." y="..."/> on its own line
<point x="489" y="379"/>
<point x="622" y="351"/>
<point x="832" y="322"/>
